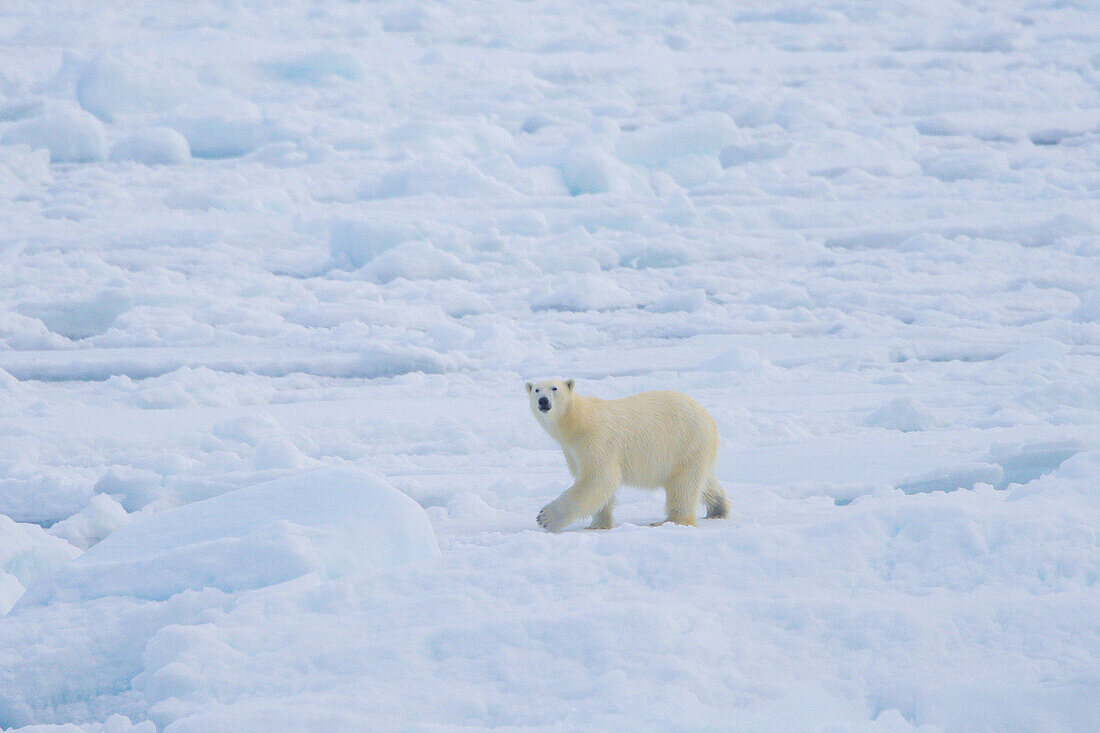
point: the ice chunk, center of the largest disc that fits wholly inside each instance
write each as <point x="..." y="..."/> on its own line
<point x="417" y="261"/>
<point x="26" y="552"/>
<point x="278" y="453"/>
<point x="784" y="297"/>
<point x="585" y="292"/>
<point x="117" y="84"/>
<point x="221" y="127"/>
<point x="707" y="133"/>
<point x="252" y="429"/>
<point x="155" y="146"/>
<point x="317" y="67"/>
<point x="21" y="169"/>
<point x="904" y="413"/>
<point x="358" y="241"/>
<point x="8" y="383"/>
<point x="752" y="151"/>
<point x="133" y="488"/>
<point x="1089" y="310"/>
<point x="333" y="521"/>
<point x="960" y="164"/>
<point x="1025" y="463"/>
<point x="737" y="359"/>
<point x="687" y="301"/>
<point x="679" y="209"/>
<point x="101" y="517"/>
<point x="387" y="361"/>
<point x="71" y="135"/>
<point x="964" y="476"/>
<point x="30" y="492"/>
<point x="588" y="169"/>
<point x="434" y="175"/>
<point x="80" y="318"/>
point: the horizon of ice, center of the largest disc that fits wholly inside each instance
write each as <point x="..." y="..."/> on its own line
<point x="246" y="247"/>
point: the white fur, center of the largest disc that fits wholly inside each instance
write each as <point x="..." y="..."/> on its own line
<point x="648" y="440"/>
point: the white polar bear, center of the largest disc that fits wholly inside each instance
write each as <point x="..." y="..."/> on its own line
<point x="648" y="440"/>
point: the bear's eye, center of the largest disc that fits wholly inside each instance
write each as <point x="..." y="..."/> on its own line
<point x="554" y="389"/>
<point x="536" y="391"/>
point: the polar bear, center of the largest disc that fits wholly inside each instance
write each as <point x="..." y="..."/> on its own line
<point x="648" y="440"/>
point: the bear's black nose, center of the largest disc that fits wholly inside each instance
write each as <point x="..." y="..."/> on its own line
<point x="544" y="404"/>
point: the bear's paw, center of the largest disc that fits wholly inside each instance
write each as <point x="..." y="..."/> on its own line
<point x="555" y="516"/>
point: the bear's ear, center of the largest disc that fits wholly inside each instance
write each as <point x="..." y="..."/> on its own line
<point x="530" y="387"/>
<point x="569" y="384"/>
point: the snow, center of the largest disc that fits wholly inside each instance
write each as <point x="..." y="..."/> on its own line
<point x="272" y="279"/>
<point x="904" y="413"/>
<point x="69" y="134"/>
<point x="153" y="146"/>
<point x="101" y="517"/>
<point x="331" y="522"/>
<point x="27" y="551"/>
<point x="22" y="169"/>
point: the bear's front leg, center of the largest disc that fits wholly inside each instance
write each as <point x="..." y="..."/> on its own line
<point x="587" y="496"/>
<point x="556" y="515"/>
<point x="603" y="519"/>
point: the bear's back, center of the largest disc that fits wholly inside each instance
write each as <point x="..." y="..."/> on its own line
<point x="659" y="422"/>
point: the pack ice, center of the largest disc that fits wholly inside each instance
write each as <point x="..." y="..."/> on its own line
<point x="332" y="521"/>
<point x="273" y="275"/>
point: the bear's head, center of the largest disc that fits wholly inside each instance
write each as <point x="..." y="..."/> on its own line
<point x="550" y="398"/>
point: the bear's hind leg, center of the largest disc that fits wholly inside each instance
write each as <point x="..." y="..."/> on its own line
<point x="681" y="498"/>
<point x="716" y="501"/>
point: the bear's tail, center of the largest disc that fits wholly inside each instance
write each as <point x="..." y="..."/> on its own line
<point x="718" y="504"/>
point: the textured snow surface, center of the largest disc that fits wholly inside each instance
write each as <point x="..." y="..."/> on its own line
<point x="332" y="522"/>
<point x="272" y="277"/>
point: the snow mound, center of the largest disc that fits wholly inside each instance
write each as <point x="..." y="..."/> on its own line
<point x="783" y="297"/>
<point x="1089" y="310"/>
<point x="101" y="517"/>
<point x="26" y="552"/>
<point x="71" y="135"/>
<point x="8" y="383"/>
<point x="434" y="176"/>
<point x="583" y="293"/>
<point x="964" y="476"/>
<point x="686" y="301"/>
<point x="317" y="67"/>
<point x="21" y="169"/>
<point x="79" y="318"/>
<point x="388" y="361"/>
<point x="957" y="165"/>
<point x="737" y="359"/>
<point x="1022" y="464"/>
<point x="221" y="127"/>
<point x="417" y="261"/>
<point x="30" y="492"/>
<point x="904" y="414"/>
<point x="155" y="146"/>
<point x="123" y="83"/>
<point x="356" y="242"/>
<point x="590" y="169"/>
<point x="133" y="488"/>
<point x="333" y="521"/>
<point x="707" y="133"/>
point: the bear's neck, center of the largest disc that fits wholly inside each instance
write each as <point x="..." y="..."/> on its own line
<point x="572" y="422"/>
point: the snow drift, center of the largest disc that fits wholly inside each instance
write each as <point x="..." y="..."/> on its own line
<point x="332" y="521"/>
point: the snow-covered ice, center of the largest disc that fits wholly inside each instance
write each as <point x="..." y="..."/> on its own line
<point x="272" y="278"/>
